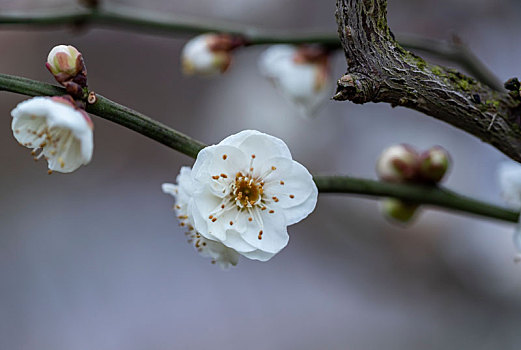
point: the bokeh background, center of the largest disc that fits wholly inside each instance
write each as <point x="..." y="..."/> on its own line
<point x="96" y="260"/>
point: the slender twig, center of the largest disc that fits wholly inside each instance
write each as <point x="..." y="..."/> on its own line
<point x="146" y="126"/>
<point x="128" y="18"/>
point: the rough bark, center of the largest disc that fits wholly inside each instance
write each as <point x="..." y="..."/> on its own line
<point x="380" y="70"/>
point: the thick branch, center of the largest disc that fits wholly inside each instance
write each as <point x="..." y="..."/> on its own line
<point x="380" y="70"/>
<point x="119" y="17"/>
<point x="146" y="126"/>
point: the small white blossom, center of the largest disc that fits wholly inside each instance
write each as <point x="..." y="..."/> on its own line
<point x="509" y="175"/>
<point x="64" y="59"/>
<point x="207" y="54"/>
<point x="247" y="190"/>
<point x="182" y="192"/>
<point x="397" y="163"/>
<point x="305" y="82"/>
<point x="62" y="133"/>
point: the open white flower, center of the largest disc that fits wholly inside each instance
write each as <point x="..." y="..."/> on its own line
<point x="509" y="175"/>
<point x="182" y="192"/>
<point x="247" y="190"/>
<point x="62" y="133"/>
<point x="305" y="82"/>
<point x="207" y="54"/>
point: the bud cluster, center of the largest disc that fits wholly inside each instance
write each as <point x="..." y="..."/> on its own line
<point x="66" y="64"/>
<point x="403" y="164"/>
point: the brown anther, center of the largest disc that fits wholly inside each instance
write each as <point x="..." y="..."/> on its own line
<point x="215" y="177"/>
<point x="222" y="206"/>
<point x="204" y="243"/>
<point x="225" y="156"/>
<point x="224" y="176"/>
<point x="197" y="243"/>
<point x="49" y="171"/>
<point x="282" y="182"/>
<point x="231" y="223"/>
<point x="177" y="206"/>
<point x="271" y="211"/>
<point x="250" y="219"/>
<point x="181" y="224"/>
<point x="91" y="99"/>
<point x="260" y="235"/>
<point x="214" y="219"/>
<point x="273" y="168"/>
<point x="264" y="208"/>
<point x="251" y="169"/>
<point x="253" y="156"/>
<point x="291" y="196"/>
<point x="210" y="217"/>
<point x="275" y="199"/>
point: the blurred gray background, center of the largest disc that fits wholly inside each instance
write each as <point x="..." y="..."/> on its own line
<point x="96" y="260"/>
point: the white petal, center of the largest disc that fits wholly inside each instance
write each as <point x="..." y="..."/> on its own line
<point x="274" y="233"/>
<point x="264" y="147"/>
<point x="294" y="188"/>
<point x="235" y="240"/>
<point x="227" y="160"/>
<point x="249" y="141"/>
<point x="170" y="189"/>
<point x="259" y="255"/>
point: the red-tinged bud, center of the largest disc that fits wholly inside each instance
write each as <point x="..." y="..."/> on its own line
<point x="434" y="164"/>
<point x="398" y="163"/>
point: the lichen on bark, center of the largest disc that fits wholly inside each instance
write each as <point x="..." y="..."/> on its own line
<point x="380" y="70"/>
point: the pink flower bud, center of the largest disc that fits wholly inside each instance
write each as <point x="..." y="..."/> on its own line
<point x="434" y="163"/>
<point x="63" y="59"/>
<point x="398" y="163"/>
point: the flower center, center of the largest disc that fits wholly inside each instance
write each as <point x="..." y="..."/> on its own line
<point x="247" y="190"/>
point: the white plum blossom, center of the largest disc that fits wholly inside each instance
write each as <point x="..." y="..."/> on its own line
<point x="62" y="133"/>
<point x="246" y="191"/>
<point x="397" y="163"/>
<point x="509" y="175"/>
<point x="304" y="81"/>
<point x="207" y="54"/>
<point x="182" y="192"/>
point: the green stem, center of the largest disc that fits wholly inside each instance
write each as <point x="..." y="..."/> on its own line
<point x="141" y="20"/>
<point x="146" y="126"/>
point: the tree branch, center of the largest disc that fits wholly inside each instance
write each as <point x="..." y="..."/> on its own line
<point x="119" y="17"/>
<point x="169" y="137"/>
<point x="380" y="70"/>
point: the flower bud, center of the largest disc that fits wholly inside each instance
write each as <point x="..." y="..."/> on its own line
<point x="398" y="210"/>
<point x="398" y="163"/>
<point x="208" y="54"/>
<point x="434" y="164"/>
<point x="64" y="60"/>
<point x="302" y="74"/>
